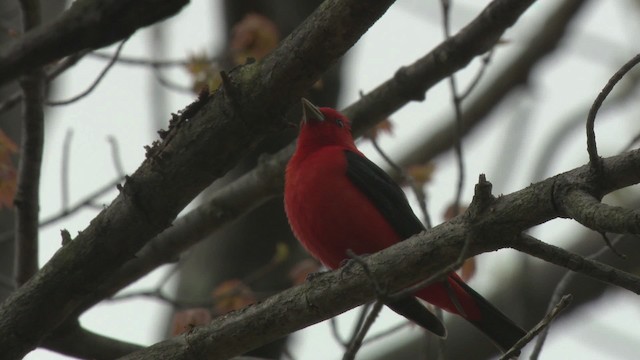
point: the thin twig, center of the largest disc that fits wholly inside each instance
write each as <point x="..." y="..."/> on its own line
<point x="631" y="143"/>
<point x="87" y="201"/>
<point x="443" y="273"/>
<point x="456" y="100"/>
<point x="364" y="309"/>
<point x="64" y="172"/>
<point x="486" y="59"/>
<point x="612" y="247"/>
<point x="592" y="149"/>
<point x="542" y="325"/>
<point x="419" y="193"/>
<point x="333" y="324"/>
<point x="95" y="82"/>
<point x="115" y="156"/>
<point x="561" y="288"/>
<point x="170" y="84"/>
<point x="27" y="198"/>
<point x="356" y="342"/>
<point x="159" y="294"/>
<point x="124" y="60"/>
<point x="390" y="331"/>
<point x="58" y="69"/>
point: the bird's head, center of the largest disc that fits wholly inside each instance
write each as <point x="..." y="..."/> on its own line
<point x="324" y="127"/>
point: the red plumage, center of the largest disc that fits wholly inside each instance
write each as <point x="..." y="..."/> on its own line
<point x="338" y="200"/>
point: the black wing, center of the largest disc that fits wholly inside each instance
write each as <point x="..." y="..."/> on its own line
<point x="384" y="193"/>
<point x="392" y="203"/>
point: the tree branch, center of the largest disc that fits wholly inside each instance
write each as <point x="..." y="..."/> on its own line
<point x="267" y="179"/>
<point x="201" y="145"/>
<point x="27" y="198"/>
<point x="411" y="82"/>
<point x="73" y="340"/>
<point x="592" y="149"/>
<point x="592" y="268"/>
<point x="588" y="211"/>
<point x="397" y="266"/>
<point x="512" y="74"/>
<point x="87" y="24"/>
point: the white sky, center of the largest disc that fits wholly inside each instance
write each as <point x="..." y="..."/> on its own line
<point x="564" y="82"/>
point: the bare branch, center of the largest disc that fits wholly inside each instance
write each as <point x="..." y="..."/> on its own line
<point x="356" y="342"/>
<point x="513" y="74"/>
<point x="73" y="340"/>
<point x="202" y="145"/>
<point x="456" y="101"/>
<point x="418" y="192"/>
<point x="87" y="24"/>
<point x="399" y="266"/>
<point x="153" y="63"/>
<point x="115" y="156"/>
<point x="577" y="263"/>
<point x="27" y="198"/>
<point x="411" y="82"/>
<point x="170" y="85"/>
<point x="251" y="189"/>
<point x="561" y="289"/>
<point x="543" y="325"/>
<point x="588" y="211"/>
<point x="592" y="149"/>
<point x="64" y="169"/>
<point x="95" y="82"/>
<point x="58" y="69"/>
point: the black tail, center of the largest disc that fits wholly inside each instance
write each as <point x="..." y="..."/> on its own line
<point x="413" y="310"/>
<point x="496" y="325"/>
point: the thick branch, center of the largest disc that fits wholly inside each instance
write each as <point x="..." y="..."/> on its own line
<point x="514" y="73"/>
<point x="88" y="24"/>
<point x="221" y="208"/>
<point x="398" y="266"/>
<point x="202" y="144"/>
<point x="592" y="268"/>
<point x="76" y="341"/>
<point x="251" y="189"/>
<point x="411" y="82"/>
<point x="27" y="199"/>
<point x="588" y="211"/>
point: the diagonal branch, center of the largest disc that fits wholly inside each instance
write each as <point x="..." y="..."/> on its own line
<point x="266" y="180"/>
<point x="588" y="211"/>
<point x="88" y="24"/>
<point x="514" y="73"/>
<point x="399" y="266"/>
<point x="27" y="198"/>
<point x="202" y="144"/>
<point x="411" y="82"/>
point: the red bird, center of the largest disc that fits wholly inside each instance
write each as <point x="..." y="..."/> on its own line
<point x="336" y="199"/>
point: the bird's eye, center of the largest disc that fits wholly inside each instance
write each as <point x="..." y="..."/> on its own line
<point x="339" y="123"/>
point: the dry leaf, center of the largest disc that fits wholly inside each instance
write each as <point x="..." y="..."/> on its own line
<point x="253" y="37"/>
<point x="421" y="174"/>
<point x="203" y="73"/>
<point x="185" y="320"/>
<point x="385" y="126"/>
<point x="8" y="173"/>
<point x="468" y="269"/>
<point x="451" y="212"/>
<point x="8" y="184"/>
<point x="281" y="254"/>
<point x="7" y="147"/>
<point x="299" y="272"/>
<point x="232" y="295"/>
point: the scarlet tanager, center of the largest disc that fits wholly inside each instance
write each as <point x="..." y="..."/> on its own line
<point x="337" y="200"/>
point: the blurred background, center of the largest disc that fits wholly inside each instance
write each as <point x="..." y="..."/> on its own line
<point x="524" y="121"/>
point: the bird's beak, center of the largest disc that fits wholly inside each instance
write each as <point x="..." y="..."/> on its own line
<point x="310" y="111"/>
